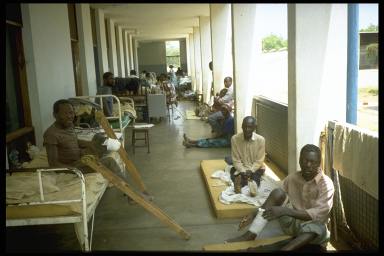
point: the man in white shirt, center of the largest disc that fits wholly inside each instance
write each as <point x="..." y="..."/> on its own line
<point x="248" y="153"/>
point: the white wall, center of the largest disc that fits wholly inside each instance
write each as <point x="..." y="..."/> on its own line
<point x="152" y="57"/>
<point x="206" y="56"/>
<point x="245" y="50"/>
<point x="47" y="48"/>
<point x="87" y="60"/>
<point x="135" y="58"/>
<point x="112" y="55"/>
<point x="196" y="37"/>
<point x="317" y="59"/>
<point x="221" y="28"/>
<point x="101" y="43"/>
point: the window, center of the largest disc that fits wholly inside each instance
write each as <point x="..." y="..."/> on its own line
<point x="368" y="77"/>
<point x="172" y="49"/>
<point x="273" y="55"/>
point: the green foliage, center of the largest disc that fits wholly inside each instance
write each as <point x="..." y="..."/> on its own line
<point x="372" y="53"/>
<point x="172" y="48"/>
<point x="273" y="42"/>
<point x="370" y="28"/>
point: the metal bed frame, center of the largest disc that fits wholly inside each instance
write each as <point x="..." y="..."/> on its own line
<point x="80" y="220"/>
<point x="121" y="128"/>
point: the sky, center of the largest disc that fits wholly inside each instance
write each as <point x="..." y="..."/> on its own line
<point x="275" y="16"/>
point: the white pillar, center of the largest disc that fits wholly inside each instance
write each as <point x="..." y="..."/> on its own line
<point x="196" y="36"/>
<point x="120" y="51"/>
<point x="317" y="61"/>
<point x="87" y="60"/>
<point x="188" y="55"/>
<point x="130" y="45"/>
<point x="102" y="52"/>
<point x="191" y="71"/>
<point x="206" y="56"/>
<point x="112" y="55"/>
<point x="221" y="31"/>
<point x="135" y="56"/>
<point x="244" y="58"/>
<point x="126" y="52"/>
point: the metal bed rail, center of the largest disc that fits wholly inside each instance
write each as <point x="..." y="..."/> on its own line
<point x="86" y="244"/>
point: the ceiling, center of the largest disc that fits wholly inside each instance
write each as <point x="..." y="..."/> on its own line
<point x="155" y="21"/>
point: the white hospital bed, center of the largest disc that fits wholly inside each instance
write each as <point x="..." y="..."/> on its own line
<point x="45" y="196"/>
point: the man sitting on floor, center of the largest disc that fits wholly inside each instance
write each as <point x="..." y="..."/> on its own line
<point x="214" y="119"/>
<point x="248" y="153"/>
<point x="302" y="206"/>
<point x="222" y="139"/>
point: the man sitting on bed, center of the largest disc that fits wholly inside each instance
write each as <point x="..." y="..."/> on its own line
<point x="302" y="205"/>
<point x="60" y="140"/>
<point x="106" y="88"/>
<point x="248" y="153"/>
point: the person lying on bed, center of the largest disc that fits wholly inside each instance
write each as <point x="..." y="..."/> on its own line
<point x="248" y="153"/>
<point x="301" y="207"/>
<point x="222" y="139"/>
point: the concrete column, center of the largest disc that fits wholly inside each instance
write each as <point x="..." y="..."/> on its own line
<point x="102" y="51"/>
<point x="112" y="55"/>
<point x="87" y="60"/>
<point x="206" y="56"/>
<point x="191" y="71"/>
<point x="135" y="57"/>
<point x="188" y="56"/>
<point x="221" y="31"/>
<point x="196" y="36"/>
<point x="130" y="45"/>
<point x="126" y="52"/>
<point x="317" y="65"/>
<point x="120" y="51"/>
<point x="48" y="61"/>
<point x="245" y="51"/>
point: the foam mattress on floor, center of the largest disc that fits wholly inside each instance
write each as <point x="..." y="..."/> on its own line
<point x="235" y="210"/>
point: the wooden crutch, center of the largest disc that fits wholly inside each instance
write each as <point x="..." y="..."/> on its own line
<point x="119" y="183"/>
<point x="100" y="118"/>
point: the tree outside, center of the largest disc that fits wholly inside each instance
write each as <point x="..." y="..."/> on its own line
<point x="274" y="43"/>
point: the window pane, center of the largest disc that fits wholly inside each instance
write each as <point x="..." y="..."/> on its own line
<point x="272" y="64"/>
<point x="14" y="110"/>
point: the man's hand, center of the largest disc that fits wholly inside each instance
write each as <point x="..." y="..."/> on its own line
<point x="274" y="212"/>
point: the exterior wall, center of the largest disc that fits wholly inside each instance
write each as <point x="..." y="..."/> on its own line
<point x="152" y="57"/>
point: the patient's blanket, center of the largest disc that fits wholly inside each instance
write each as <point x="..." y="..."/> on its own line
<point x="125" y="108"/>
<point x="229" y="196"/>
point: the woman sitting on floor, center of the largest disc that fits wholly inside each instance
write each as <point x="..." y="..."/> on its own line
<point x="222" y="139"/>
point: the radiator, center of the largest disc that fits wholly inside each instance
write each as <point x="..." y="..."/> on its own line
<point x="272" y="124"/>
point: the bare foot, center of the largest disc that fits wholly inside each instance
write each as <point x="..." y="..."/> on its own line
<point x="247" y="236"/>
<point x="186" y="144"/>
<point x="185" y="138"/>
<point x="147" y="196"/>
